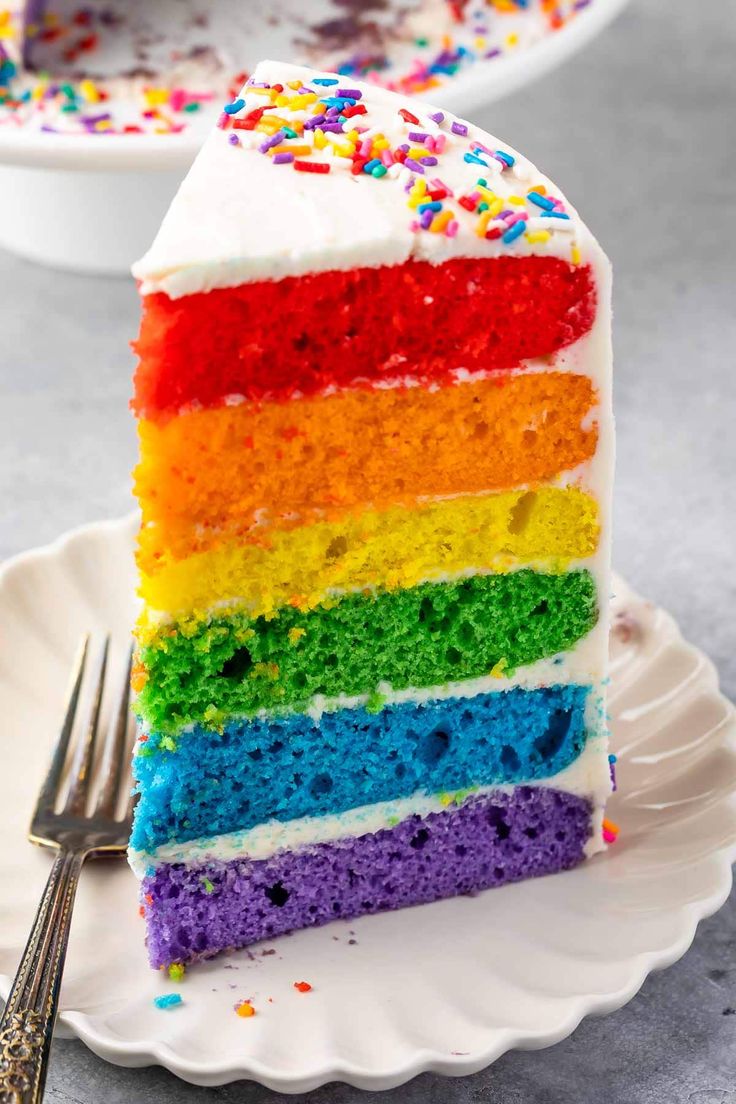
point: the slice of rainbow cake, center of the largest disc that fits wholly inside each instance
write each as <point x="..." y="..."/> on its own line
<point x="376" y="459"/>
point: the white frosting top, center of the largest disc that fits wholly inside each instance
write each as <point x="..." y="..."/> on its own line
<point x="247" y="213"/>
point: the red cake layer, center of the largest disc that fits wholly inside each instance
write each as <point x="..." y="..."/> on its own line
<point x="272" y="338"/>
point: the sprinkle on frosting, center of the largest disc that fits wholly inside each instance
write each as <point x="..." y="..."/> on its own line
<point x="318" y="128"/>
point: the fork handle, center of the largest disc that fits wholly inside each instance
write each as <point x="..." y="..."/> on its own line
<point x="27" y="1023"/>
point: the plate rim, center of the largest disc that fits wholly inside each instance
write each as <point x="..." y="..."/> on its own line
<point x="426" y="1060"/>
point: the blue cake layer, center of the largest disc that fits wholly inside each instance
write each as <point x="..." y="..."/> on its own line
<point x="288" y="767"/>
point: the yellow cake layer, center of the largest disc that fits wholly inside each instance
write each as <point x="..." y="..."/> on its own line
<point x="385" y="549"/>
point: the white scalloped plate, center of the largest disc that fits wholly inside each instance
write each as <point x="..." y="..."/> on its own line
<point x="446" y="987"/>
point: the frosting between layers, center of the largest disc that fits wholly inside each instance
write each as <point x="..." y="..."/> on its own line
<point x="407" y="325"/>
<point x="585" y="662"/>
<point x="194" y="911"/>
<point x="548" y="528"/>
<point x="417" y="637"/>
<point x="228" y="469"/>
<point x="287" y="767"/>
<point x="304" y="222"/>
<point x="587" y="777"/>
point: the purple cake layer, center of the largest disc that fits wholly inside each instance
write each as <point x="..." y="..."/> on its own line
<point x="195" y="911"/>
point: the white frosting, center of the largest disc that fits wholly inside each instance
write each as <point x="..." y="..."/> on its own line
<point x="158" y="618"/>
<point x="582" y="665"/>
<point x="587" y="777"/>
<point x="237" y="217"/>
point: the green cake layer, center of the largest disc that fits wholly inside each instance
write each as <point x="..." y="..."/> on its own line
<point x="428" y="635"/>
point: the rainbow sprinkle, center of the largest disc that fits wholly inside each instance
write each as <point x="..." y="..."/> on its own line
<point x="481" y="33"/>
<point x="81" y="105"/>
<point x="168" y="1000"/>
<point x="610" y="831"/>
<point x="472" y="31"/>
<point x="318" y="129"/>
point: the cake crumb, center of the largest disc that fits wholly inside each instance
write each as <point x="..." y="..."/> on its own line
<point x="302" y="986"/>
<point x="245" y="1009"/>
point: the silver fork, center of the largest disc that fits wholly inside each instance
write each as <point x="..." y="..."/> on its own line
<point x="27" y="1023"/>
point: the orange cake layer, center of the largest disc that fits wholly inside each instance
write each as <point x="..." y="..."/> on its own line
<point x="223" y="471"/>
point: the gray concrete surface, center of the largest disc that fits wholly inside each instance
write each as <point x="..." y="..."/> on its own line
<point x="640" y="132"/>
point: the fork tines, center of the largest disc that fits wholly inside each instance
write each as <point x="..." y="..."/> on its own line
<point x="94" y="763"/>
